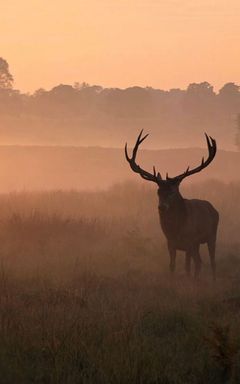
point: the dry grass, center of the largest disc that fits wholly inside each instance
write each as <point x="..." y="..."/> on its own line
<point x="86" y="297"/>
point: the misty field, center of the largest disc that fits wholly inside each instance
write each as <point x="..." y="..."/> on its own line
<point x="86" y="295"/>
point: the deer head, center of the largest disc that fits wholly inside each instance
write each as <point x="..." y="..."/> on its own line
<point x="168" y="189"/>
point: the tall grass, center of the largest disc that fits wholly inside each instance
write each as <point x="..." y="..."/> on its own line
<point x="86" y="297"/>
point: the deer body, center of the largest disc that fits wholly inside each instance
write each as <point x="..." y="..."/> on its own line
<point x="195" y="222"/>
<point x="186" y="226"/>
<point x="185" y="223"/>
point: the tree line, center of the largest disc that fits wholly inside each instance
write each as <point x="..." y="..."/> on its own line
<point x="197" y="105"/>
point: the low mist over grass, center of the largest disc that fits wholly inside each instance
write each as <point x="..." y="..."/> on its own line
<point x="86" y="296"/>
<point x="63" y="168"/>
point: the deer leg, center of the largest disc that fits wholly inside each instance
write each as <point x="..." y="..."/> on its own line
<point x="172" y="254"/>
<point x="211" y="249"/>
<point x="188" y="258"/>
<point x="197" y="261"/>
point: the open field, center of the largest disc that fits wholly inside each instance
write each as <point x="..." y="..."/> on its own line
<point x="55" y="167"/>
<point x="86" y="296"/>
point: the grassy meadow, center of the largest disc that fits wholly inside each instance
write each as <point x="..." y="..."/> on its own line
<point x="86" y="295"/>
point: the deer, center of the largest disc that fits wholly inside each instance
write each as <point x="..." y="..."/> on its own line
<point x="186" y="223"/>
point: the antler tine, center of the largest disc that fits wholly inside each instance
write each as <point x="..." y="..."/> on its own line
<point x="154" y="171"/>
<point x="208" y="140"/>
<point x="126" y="153"/>
<point x="135" y="167"/>
<point x="138" y="142"/>
<point x="189" y="167"/>
<point x="140" y="139"/>
<point x="212" y="149"/>
<point x="212" y="146"/>
<point x="159" y="177"/>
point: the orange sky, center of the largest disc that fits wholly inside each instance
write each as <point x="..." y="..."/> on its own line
<point x="159" y="43"/>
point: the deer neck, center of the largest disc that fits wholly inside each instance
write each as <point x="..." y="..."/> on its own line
<point x="172" y="215"/>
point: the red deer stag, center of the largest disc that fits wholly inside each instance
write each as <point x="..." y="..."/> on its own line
<point x="185" y="223"/>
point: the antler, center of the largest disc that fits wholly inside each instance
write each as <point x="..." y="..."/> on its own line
<point x="156" y="177"/>
<point x="212" y="149"/>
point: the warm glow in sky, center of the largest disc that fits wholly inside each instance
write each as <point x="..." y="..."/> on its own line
<point x="120" y="43"/>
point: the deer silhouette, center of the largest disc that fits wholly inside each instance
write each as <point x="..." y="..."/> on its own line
<point x="185" y="223"/>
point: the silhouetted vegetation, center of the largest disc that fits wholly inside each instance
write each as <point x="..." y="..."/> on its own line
<point x="83" y="113"/>
<point x="6" y="79"/>
<point x="85" y="295"/>
<point x="199" y="102"/>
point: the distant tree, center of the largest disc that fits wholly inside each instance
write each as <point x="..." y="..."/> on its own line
<point x="200" y="90"/>
<point x="78" y="86"/>
<point x="229" y="89"/>
<point x="229" y="98"/>
<point x="175" y="95"/>
<point x="6" y="79"/>
<point x="199" y="102"/>
<point x="39" y="92"/>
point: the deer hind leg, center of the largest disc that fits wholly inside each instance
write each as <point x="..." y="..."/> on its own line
<point x="211" y="249"/>
<point x="197" y="261"/>
<point x="172" y="254"/>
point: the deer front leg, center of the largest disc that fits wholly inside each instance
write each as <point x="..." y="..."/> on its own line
<point x="197" y="262"/>
<point x="172" y="254"/>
